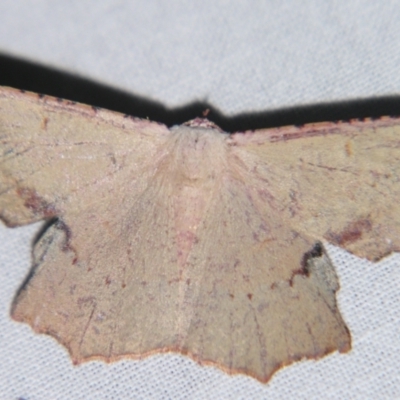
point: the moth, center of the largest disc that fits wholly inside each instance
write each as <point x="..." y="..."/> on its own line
<point x="189" y="239"/>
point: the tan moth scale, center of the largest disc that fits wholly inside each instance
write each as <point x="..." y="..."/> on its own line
<point x="189" y="239"/>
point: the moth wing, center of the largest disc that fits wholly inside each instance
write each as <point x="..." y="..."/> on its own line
<point x="265" y="295"/>
<point x="54" y="151"/>
<point x="338" y="182"/>
<point x="110" y="251"/>
<point x="267" y="284"/>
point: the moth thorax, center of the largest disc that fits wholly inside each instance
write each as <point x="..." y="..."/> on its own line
<point x="200" y="153"/>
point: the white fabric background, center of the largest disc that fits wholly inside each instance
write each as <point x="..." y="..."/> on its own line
<point x="239" y="56"/>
